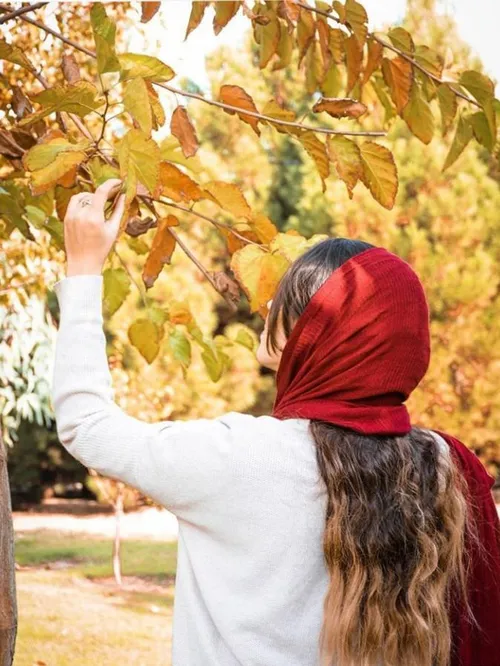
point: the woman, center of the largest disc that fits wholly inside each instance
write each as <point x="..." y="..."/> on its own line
<point x="332" y="532"/>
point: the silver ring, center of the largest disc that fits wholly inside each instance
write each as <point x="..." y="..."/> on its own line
<point x="86" y="202"/>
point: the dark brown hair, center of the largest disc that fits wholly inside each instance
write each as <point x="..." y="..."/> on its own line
<point x="395" y="522"/>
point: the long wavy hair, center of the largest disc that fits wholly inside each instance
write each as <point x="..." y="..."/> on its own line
<point x="396" y="518"/>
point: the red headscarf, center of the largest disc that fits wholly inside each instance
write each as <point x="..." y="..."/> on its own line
<point x="359" y="348"/>
<point x="353" y="357"/>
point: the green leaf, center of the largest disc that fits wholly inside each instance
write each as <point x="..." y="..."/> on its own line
<point x="137" y="103"/>
<point x="379" y="173"/>
<point x="140" y="155"/>
<point x="12" y="212"/>
<point x="79" y="98"/>
<point x="418" y="115"/>
<point x="480" y="86"/>
<point x="145" y="335"/>
<point x="462" y="137"/>
<point x="147" y="67"/>
<point x="448" y="104"/>
<point x="482" y="131"/>
<point x="138" y="245"/>
<point x="104" y="30"/>
<point x="101" y="171"/>
<point x="180" y="346"/>
<point x="215" y="362"/>
<point x="402" y="40"/>
<point x="345" y="154"/>
<point x="116" y="287"/>
<point x="14" y="54"/>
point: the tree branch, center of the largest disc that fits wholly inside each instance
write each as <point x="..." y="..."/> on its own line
<point x="22" y="10"/>
<point x="54" y="33"/>
<point x="261" y="116"/>
<point x="395" y="49"/>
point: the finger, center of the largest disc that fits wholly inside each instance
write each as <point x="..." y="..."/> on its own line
<point x="116" y="216"/>
<point x="104" y="192"/>
<point x="74" y="204"/>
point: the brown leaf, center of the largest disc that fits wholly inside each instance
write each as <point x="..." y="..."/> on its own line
<point x="137" y="226"/>
<point x="236" y="96"/>
<point x="196" y="16"/>
<point x="375" y="53"/>
<point x="182" y="128"/>
<point x="70" y="68"/>
<point x="290" y="10"/>
<point x="354" y="59"/>
<point x="161" y="252"/>
<point x="178" y="186"/>
<point x="398" y="75"/>
<point x="62" y="195"/>
<point x="340" y="108"/>
<point x="337" y="45"/>
<point x="324" y="42"/>
<point x="8" y="146"/>
<point x="261" y="19"/>
<point x="20" y="103"/>
<point x="234" y="243"/>
<point x="149" y="9"/>
<point x="227" y="287"/>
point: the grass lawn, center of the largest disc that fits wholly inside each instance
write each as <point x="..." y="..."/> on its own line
<point x="72" y="613"/>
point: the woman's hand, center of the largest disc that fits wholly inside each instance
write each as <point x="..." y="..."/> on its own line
<point x="88" y="236"/>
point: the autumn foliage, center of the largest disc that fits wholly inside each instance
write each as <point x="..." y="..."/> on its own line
<point x="60" y="139"/>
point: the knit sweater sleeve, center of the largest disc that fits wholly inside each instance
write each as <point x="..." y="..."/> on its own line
<point x="179" y="464"/>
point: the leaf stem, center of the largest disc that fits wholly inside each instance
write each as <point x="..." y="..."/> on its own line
<point x="132" y="278"/>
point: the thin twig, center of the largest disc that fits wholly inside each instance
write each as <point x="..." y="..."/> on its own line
<point x="395" y="49"/>
<point x="54" y="33"/>
<point x="262" y="116"/>
<point x="132" y="278"/>
<point x="209" y="219"/>
<point x="222" y="105"/>
<point x="22" y="10"/>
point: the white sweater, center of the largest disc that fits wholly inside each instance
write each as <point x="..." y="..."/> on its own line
<point x="246" y="490"/>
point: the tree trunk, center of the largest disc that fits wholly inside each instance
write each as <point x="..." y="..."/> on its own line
<point x="8" y="603"/>
<point x="118" y="506"/>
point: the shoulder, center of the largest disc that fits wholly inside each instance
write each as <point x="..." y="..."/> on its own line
<point x="469" y="464"/>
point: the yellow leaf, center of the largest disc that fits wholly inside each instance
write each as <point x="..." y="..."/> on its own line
<point x="136" y="102"/>
<point x="402" y="40"/>
<point x="398" y="75"/>
<point x="196" y="16"/>
<point x="448" y="105"/>
<point x="306" y="28"/>
<point x="268" y="36"/>
<point x="145" y="335"/>
<point x="291" y="245"/>
<point x="148" y="10"/>
<point x="354" y="60"/>
<point x="259" y="273"/>
<point x="274" y="110"/>
<point x="236" y="96"/>
<point x="284" y="49"/>
<point x="158" y="113"/>
<point x="139" y="157"/>
<point x="230" y="198"/>
<point x="104" y="30"/>
<point x="148" y="67"/>
<point x="178" y="186"/>
<point x="179" y="313"/>
<point x="57" y="171"/>
<point x="182" y="128"/>
<point x="346" y="156"/>
<point x="161" y="252"/>
<point x="418" y="115"/>
<point x="317" y="150"/>
<point x="337" y="45"/>
<point x="340" y="108"/>
<point x="79" y="98"/>
<point x="356" y="17"/>
<point x="14" y="54"/>
<point x="324" y="42"/>
<point x="430" y="60"/>
<point x="50" y="146"/>
<point x="479" y="85"/>
<point x="264" y="228"/>
<point x="224" y="12"/>
<point x="379" y="173"/>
